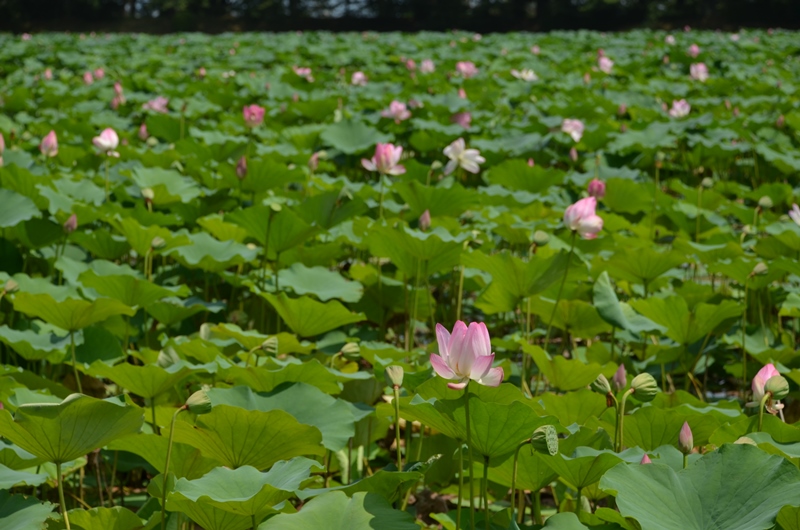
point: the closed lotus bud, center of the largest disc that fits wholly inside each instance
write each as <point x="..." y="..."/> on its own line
<point x="71" y="224"/>
<point x="646" y="459"/>
<point x="541" y="238"/>
<point x="241" y="168"/>
<point x="11" y="286"/>
<point x="778" y="386"/>
<point x="198" y="403"/>
<point x="573" y="154"/>
<point x="760" y="269"/>
<point x="597" y="188"/>
<point x="707" y="182"/>
<point x="644" y="387"/>
<point x="765" y="202"/>
<point x="270" y="345"/>
<point x="545" y="440"/>
<point x="205" y="331"/>
<point x="601" y="385"/>
<point x="394" y="374"/>
<point x="148" y="194"/>
<point x="436" y="165"/>
<point x="425" y="220"/>
<point x="685" y="439"/>
<point x="620" y="378"/>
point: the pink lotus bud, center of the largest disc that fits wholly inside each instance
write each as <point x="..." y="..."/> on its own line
<point x="87" y="78"/>
<point x="411" y="65"/>
<point x="427" y="66"/>
<point x="99" y="73"/>
<point x="581" y="218"/>
<point x="49" y="145"/>
<point x="694" y="50"/>
<point x="425" y="220"/>
<point x="118" y="88"/>
<point x="107" y="141"/>
<point x="313" y="162"/>
<point x="464" y="355"/>
<point x="48" y="74"/>
<point x="463" y="119"/>
<point x="386" y="160"/>
<point x="253" y="115"/>
<point x="597" y="188"/>
<point x="530" y="162"/>
<point x="201" y="72"/>
<point x="241" y="168"/>
<point x="462" y="93"/>
<point x="573" y="154"/>
<point x="358" y="79"/>
<point x="2" y="148"/>
<point x="143" y="134"/>
<point x="685" y="439"/>
<point x="535" y="49"/>
<point x="622" y="109"/>
<point x="646" y="459"/>
<point x="71" y="224"/>
<point x="620" y="378"/>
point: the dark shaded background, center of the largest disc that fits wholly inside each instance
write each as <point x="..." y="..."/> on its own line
<point x="161" y="16"/>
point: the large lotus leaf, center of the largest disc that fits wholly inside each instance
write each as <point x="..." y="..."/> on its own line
<point x="643" y="265"/>
<point x="651" y="427"/>
<point x="266" y="174"/>
<point x="168" y="185"/>
<point x="18" y="512"/>
<point x="683" y="326"/>
<point x="33" y="346"/>
<point x="564" y="521"/>
<point x="245" y="490"/>
<point x="237" y="437"/>
<point x="116" y="518"/>
<point x="65" y="431"/>
<point x="320" y="282"/>
<point x="781" y="432"/>
<point x="308" y="318"/>
<point x="10" y="478"/>
<point x="582" y="471"/>
<point x="206" y="253"/>
<point x="186" y="461"/>
<point x="249" y="339"/>
<point x="209" y="517"/>
<point x="352" y="137"/>
<point x="561" y="373"/>
<point x="329" y="208"/>
<point x="414" y="252"/>
<point x="140" y="238"/>
<point x="262" y="379"/>
<point x="573" y="407"/>
<point x="128" y="289"/>
<point x="533" y="473"/>
<point x="616" y="313"/>
<point x="738" y="487"/>
<point x="335" y="511"/>
<point x="789" y="518"/>
<point x="516" y="174"/>
<point x="147" y="381"/>
<point x="439" y="201"/>
<point x="70" y="315"/>
<point x="172" y="310"/>
<point x="17" y="458"/>
<point x="16" y="208"/>
<point x="277" y="232"/>
<point x="309" y="405"/>
<point x="388" y="484"/>
<point x="579" y="318"/>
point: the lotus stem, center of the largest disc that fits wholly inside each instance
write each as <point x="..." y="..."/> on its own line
<point x="107" y="182"/>
<point x="578" y="504"/>
<point x="744" y="338"/>
<point x="75" y="362"/>
<point x="537" y="507"/>
<point x="560" y="290"/>
<point x="761" y="407"/>
<point x="166" y="468"/>
<point x="469" y="456"/>
<point x="620" y="419"/>
<point x="460" y="295"/>
<point x="61" y="495"/>
<point x="485" y="492"/>
<point x="460" y="485"/>
<point x="514" y="480"/>
<point x="254" y="521"/>
<point x="685" y="461"/>
<point x="397" y="426"/>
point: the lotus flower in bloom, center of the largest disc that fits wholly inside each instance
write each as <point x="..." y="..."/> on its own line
<point x="107" y="142"/>
<point x="158" y="104"/>
<point x="427" y="66"/>
<point x="605" y="64"/>
<point x="358" y="79"/>
<point x="464" y="355"/>
<point x="48" y="74"/>
<point x="253" y="115"/>
<point x="680" y="108"/>
<point x="694" y="50"/>
<point x="385" y="160"/>
<point x="525" y="75"/>
<point x="699" y="72"/>
<point x="26" y="36"/>
<point x="574" y="128"/>
<point x="581" y="218"/>
<point x="49" y="145"/>
<point x="303" y="71"/>
<point x="669" y="39"/>
<point x="758" y="385"/>
<point x="466" y="69"/>
<point x="459" y="155"/>
<point x="396" y="111"/>
<point x="143" y="134"/>
<point x="462" y="118"/>
<point x="597" y="188"/>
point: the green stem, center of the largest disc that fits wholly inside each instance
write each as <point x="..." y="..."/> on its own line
<point x="380" y="203"/>
<point x="621" y="419"/>
<point x="153" y="412"/>
<point x="578" y="506"/>
<point x="397" y="426"/>
<point x="560" y="290"/>
<point x="460" y="485"/>
<point x="254" y="521"/>
<point x="61" y="495"/>
<point x="485" y="493"/>
<point x="514" y="481"/>
<point x="166" y="468"/>
<point x="75" y="362"/>
<point x="761" y="407"/>
<point x="655" y="206"/>
<point x="685" y="460"/>
<point x="537" y="507"/>
<point x="744" y="338"/>
<point x="460" y="295"/>
<point x="469" y="456"/>
<point x="107" y="182"/>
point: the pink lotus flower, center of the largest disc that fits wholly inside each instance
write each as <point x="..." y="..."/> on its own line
<point x="26" y="36"/>
<point x="107" y="142"/>
<point x="794" y="213"/>
<point x="425" y="220"/>
<point x="466" y="69"/>
<point x="680" y="108"/>
<point x="396" y="111"/>
<point x="465" y="355"/>
<point x="462" y="93"/>
<point x="201" y="72"/>
<point x="158" y="104"/>
<point x="735" y="37"/>
<point x="573" y="154"/>
<point x="87" y="78"/>
<point x="385" y="160"/>
<point x="694" y="50"/>
<point x="646" y="459"/>
<point x="760" y="382"/>
<point x="535" y="49"/>
<point x="605" y="64"/>
<point x="597" y="188"/>
<point x="241" y="168"/>
<point x="427" y="66"/>
<point x="49" y="145"/>
<point x="358" y="79"/>
<point x="253" y="115"/>
<point x="118" y="88"/>
<point x="685" y="439"/>
<point x="698" y="72"/>
<point x="460" y="156"/>
<point x="99" y="73"/>
<point x="574" y="128"/>
<point x="462" y="118"/>
<point x="303" y="71"/>
<point x="2" y="148"/>
<point x="669" y="39"/>
<point x="620" y="378"/>
<point x="530" y="162"/>
<point x="48" y="74"/>
<point x="581" y="218"/>
<point x="143" y="134"/>
<point x="411" y="65"/>
<point x="313" y="162"/>
<point x="622" y="109"/>
<point x="71" y="224"/>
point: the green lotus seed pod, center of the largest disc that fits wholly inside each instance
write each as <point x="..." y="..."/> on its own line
<point x="394" y="374"/>
<point x="760" y="269"/>
<point x="541" y="238"/>
<point x="157" y="242"/>
<point x="765" y="202"/>
<point x="351" y="348"/>
<point x="270" y="345"/>
<point x="198" y="403"/>
<point x="778" y="386"/>
<point x="601" y="385"/>
<point x="545" y="440"/>
<point x="644" y="387"/>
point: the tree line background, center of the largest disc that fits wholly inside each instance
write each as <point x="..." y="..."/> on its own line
<point x="160" y="16"/>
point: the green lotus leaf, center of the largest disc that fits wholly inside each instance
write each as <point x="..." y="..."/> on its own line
<point x="277" y="232"/>
<point x="320" y="282"/>
<point x="685" y="326"/>
<point x="71" y="314"/>
<point x="390" y="485"/>
<point x="116" y="518"/>
<point x="619" y="314"/>
<point x="10" y="478"/>
<point x="206" y="253"/>
<point x="168" y="185"/>
<point x="186" y="461"/>
<point x="309" y="318"/>
<point x="352" y="137"/>
<point x="33" y="346"/>
<point x="170" y="311"/>
<point x="18" y="512"/>
<point x="561" y="373"/>
<point x="17" y="208"/>
<point x="132" y="291"/>
<point x="147" y="381"/>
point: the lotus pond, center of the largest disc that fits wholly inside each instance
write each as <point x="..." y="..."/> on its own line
<point x="350" y="281"/>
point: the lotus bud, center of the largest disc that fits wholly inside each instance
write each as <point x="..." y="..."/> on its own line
<point x="394" y="374"/>
<point x="425" y="220"/>
<point x="765" y="202"/>
<point x="241" y="168"/>
<point x="198" y="403"/>
<point x="597" y="188"/>
<point x="707" y="182"/>
<point x="275" y="207"/>
<point x="436" y="165"/>
<point x="313" y="161"/>
<point x="760" y="269"/>
<point x="541" y="238"/>
<point x="601" y="385"/>
<point x="778" y="386"/>
<point x="620" y="378"/>
<point x="545" y="440"/>
<point x="644" y="387"/>
<point x="157" y="243"/>
<point x="744" y="440"/>
<point x="71" y="224"/>
<point x="148" y="194"/>
<point x="573" y="154"/>
<point x="646" y="459"/>
<point x="685" y="439"/>
<point x="11" y="286"/>
<point x="205" y="331"/>
<point x="350" y="348"/>
<point x="270" y="345"/>
<point x="167" y="358"/>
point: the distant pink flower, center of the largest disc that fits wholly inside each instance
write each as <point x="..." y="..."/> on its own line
<point x="99" y="73"/>
<point x="699" y="72"/>
<point x="201" y="72"/>
<point x="303" y="71"/>
<point x="573" y="154"/>
<point x="646" y="459"/>
<point x="530" y="162"/>
<point x="107" y="142"/>
<point x="535" y="49"/>
<point x="396" y="111"/>
<point x="425" y="220"/>
<point x="253" y="115"/>
<point x="143" y="134"/>
<point x="462" y="118"/>
<point x="462" y="93"/>
<point x="2" y="148"/>
<point x="71" y="224"/>
<point x="460" y="156"/>
<point x="427" y="66"/>
<point x="313" y="162"/>
<point x="241" y="168"/>
<point x="680" y="108"/>
<point x="411" y="65"/>
<point x="26" y="36"/>
<point x="587" y="78"/>
<point x="465" y="355"/>
<point x="358" y="79"/>
<point x="597" y="188"/>
<point x="48" y="74"/>
<point x="49" y="145"/>
<point x="386" y="160"/>
<point x="466" y="69"/>
<point x="574" y="128"/>
<point x="87" y="78"/>
<point x="581" y="218"/>
<point x="118" y="88"/>
<point x="669" y="39"/>
<point x="780" y="122"/>
<point x="694" y="50"/>
<point x="605" y="64"/>
<point x="759" y="385"/>
<point x="158" y="104"/>
<point x="524" y="75"/>
<point x="735" y="37"/>
<point x="622" y="109"/>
